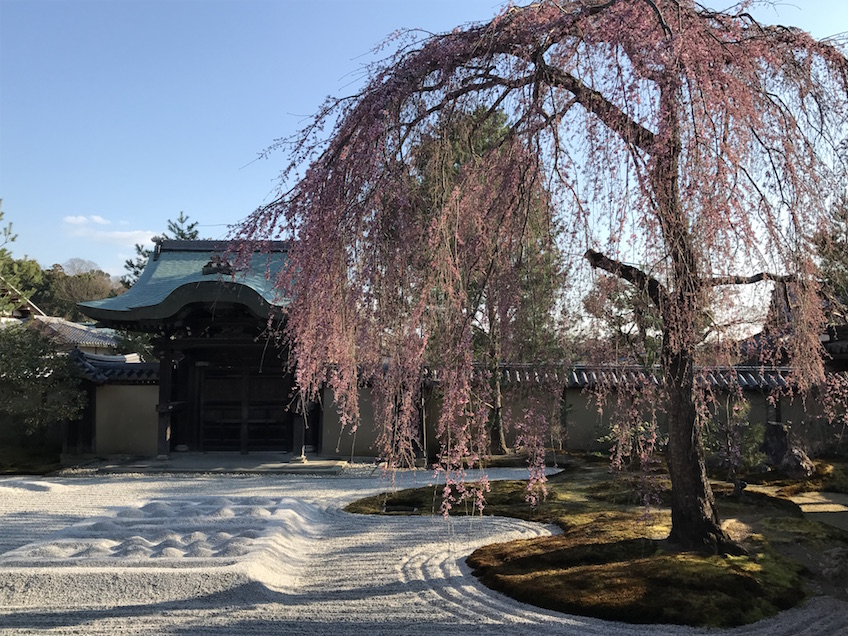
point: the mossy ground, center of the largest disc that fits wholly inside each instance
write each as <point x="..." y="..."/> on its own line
<point x="612" y="561"/>
<point x="831" y="476"/>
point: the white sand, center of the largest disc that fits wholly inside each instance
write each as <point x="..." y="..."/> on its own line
<point x="260" y="554"/>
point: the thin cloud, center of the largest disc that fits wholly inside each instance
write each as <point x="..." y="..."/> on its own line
<point x="86" y="228"/>
<point x="85" y="220"/>
<point x="125" y="238"/>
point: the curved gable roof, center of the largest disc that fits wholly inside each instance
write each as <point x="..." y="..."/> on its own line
<point x="183" y="272"/>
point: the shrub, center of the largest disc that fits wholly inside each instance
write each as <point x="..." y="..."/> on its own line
<point x="37" y="385"/>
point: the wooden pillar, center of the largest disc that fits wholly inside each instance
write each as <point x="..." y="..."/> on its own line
<point x="164" y="408"/>
<point x="88" y="443"/>
<point x="245" y="410"/>
<point x="298" y="438"/>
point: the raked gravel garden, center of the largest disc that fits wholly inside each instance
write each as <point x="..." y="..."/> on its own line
<point x="256" y="554"/>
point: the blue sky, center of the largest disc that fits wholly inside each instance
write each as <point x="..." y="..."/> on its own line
<point x="116" y="115"/>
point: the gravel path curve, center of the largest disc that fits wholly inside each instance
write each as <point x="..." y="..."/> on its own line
<point x="216" y="555"/>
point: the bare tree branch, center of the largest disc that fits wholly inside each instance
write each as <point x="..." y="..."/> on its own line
<point x="633" y="275"/>
<point x="715" y="281"/>
<point x="612" y="116"/>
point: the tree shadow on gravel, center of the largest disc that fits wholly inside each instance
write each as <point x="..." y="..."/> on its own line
<point x="38" y="618"/>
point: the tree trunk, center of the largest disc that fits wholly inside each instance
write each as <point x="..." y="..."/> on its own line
<point x="496" y="427"/>
<point x="497" y="435"/>
<point x="694" y="520"/>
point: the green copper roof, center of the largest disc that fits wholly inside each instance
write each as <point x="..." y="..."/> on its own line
<point x="183" y="272"/>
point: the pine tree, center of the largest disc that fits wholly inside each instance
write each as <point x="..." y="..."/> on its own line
<point x="179" y="229"/>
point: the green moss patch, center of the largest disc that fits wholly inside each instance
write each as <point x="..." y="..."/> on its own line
<point x="639" y="580"/>
<point x="830" y="476"/>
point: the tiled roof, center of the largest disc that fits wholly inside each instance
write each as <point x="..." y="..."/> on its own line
<point x="115" y="369"/>
<point x="583" y="376"/>
<point x="71" y="333"/>
<point x="835" y="341"/>
<point x="747" y="378"/>
<point x="118" y="370"/>
<point x="181" y="272"/>
<point x="837" y="348"/>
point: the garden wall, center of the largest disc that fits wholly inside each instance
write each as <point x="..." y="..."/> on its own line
<point x="126" y="420"/>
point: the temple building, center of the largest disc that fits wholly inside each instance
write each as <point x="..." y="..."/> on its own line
<point x="222" y="382"/>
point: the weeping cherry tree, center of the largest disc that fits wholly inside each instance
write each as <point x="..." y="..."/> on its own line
<point x="698" y="144"/>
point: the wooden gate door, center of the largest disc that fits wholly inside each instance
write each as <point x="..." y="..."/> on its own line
<point x="244" y="411"/>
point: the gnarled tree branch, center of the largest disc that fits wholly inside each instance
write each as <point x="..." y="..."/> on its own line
<point x="613" y="117"/>
<point x="633" y="275"/>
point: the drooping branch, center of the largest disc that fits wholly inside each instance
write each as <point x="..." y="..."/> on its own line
<point x="666" y="29"/>
<point x="633" y="275"/>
